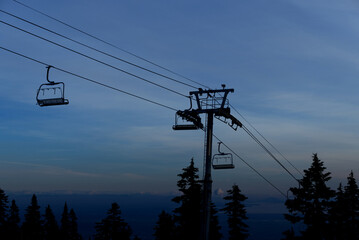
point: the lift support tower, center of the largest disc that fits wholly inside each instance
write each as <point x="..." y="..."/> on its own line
<point x="213" y="103"/>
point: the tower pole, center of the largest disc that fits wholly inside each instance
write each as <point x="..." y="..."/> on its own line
<point x="207" y="181"/>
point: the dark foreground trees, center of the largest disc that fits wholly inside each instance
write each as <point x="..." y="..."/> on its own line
<point x="3" y="211"/>
<point x="236" y="212"/>
<point x="32" y="226"/>
<point x="187" y="214"/>
<point x="13" y="221"/>
<point x="51" y="228"/>
<point x="185" y="221"/>
<point x="344" y="218"/>
<point x="113" y="226"/>
<point x="325" y="213"/>
<point x="165" y="227"/>
<point x="311" y="201"/>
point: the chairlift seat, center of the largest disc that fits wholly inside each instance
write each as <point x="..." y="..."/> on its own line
<point x="189" y="122"/>
<point x="223" y="166"/>
<point x="222" y="161"/>
<point x="184" y="127"/>
<point x="52" y="102"/>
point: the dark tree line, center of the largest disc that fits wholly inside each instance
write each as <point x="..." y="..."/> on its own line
<point x="321" y="212"/>
<point x="35" y="226"/>
<point x="325" y="213"/>
<point x="45" y="227"/>
<point x="184" y="222"/>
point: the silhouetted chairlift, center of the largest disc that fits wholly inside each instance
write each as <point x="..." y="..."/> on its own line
<point x="184" y="116"/>
<point x="52" y="93"/>
<point x="222" y="160"/>
<point x="181" y="126"/>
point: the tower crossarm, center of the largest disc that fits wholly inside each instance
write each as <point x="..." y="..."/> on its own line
<point x="211" y="99"/>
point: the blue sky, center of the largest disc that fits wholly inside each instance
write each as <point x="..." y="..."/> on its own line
<point x="293" y="65"/>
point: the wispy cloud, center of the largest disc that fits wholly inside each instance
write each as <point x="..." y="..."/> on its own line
<point x="52" y="170"/>
<point x="312" y="105"/>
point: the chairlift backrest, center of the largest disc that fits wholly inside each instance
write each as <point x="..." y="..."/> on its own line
<point x="222" y="161"/>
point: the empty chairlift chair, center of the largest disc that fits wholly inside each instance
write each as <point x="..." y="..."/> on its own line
<point x="184" y="125"/>
<point x="222" y="160"/>
<point x="187" y="119"/>
<point x="52" y="93"/>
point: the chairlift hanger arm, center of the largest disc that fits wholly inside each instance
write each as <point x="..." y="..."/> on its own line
<point x="47" y="74"/>
<point x="219" y="147"/>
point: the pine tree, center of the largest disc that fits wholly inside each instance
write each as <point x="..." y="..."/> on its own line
<point x="214" y="227"/>
<point x="3" y="212"/>
<point x="74" y="234"/>
<point x="165" y="227"/>
<point x="337" y="215"/>
<point x="65" y="224"/>
<point x="351" y="196"/>
<point x="32" y="226"/>
<point x="236" y="213"/>
<point x="13" y="229"/>
<point x="113" y="227"/>
<point x="289" y="234"/>
<point x="187" y="215"/>
<point x="51" y="228"/>
<point x="311" y="201"/>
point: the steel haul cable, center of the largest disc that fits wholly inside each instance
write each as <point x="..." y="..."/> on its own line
<point x="266" y="140"/>
<point x="108" y="43"/>
<point x="94" y="59"/>
<point x="90" y="80"/>
<point x="245" y="162"/>
<point x="99" y="51"/>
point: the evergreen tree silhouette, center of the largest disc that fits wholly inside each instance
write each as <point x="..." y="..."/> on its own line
<point x="3" y="212"/>
<point x="214" y="227"/>
<point x="32" y="226"/>
<point x="290" y="235"/>
<point x="65" y="224"/>
<point x="337" y="215"/>
<point x="51" y="228"/>
<point x="74" y="234"/>
<point x="187" y="215"/>
<point x="165" y="227"/>
<point x="236" y="213"/>
<point x="13" y="229"/>
<point x="351" y="198"/>
<point x="113" y="227"/>
<point x="311" y="201"/>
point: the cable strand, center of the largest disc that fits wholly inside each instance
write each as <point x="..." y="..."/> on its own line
<point x="110" y="44"/>
<point x="251" y="167"/>
<point x="97" y="50"/>
<point x="94" y="59"/>
<point x="261" y="135"/>
<point x="88" y="79"/>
